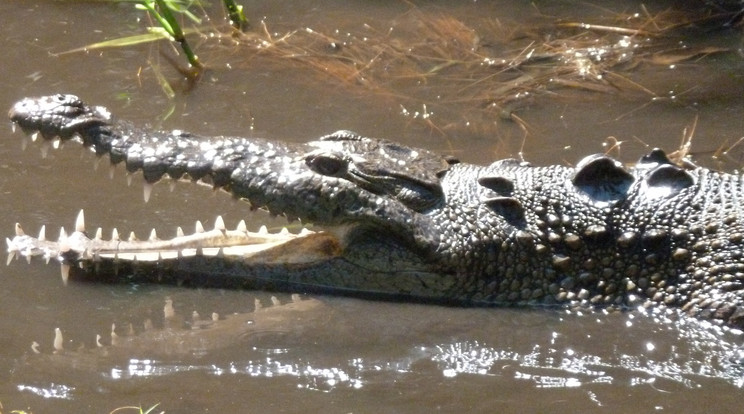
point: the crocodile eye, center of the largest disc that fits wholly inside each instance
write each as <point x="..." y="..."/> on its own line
<point x="326" y="164"/>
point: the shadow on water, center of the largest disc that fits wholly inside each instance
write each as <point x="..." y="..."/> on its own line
<point x="476" y="80"/>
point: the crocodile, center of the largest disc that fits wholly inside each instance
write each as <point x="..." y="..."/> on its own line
<point x="401" y="223"/>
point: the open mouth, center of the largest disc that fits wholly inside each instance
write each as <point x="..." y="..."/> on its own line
<point x="251" y="248"/>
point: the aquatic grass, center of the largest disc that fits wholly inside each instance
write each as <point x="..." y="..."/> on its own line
<point x="162" y="12"/>
<point x="492" y="69"/>
<point x="137" y="409"/>
<point x="237" y="15"/>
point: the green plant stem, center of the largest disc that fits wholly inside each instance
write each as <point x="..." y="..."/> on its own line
<point x="237" y="15"/>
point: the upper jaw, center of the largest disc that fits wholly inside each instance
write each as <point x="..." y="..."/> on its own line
<point x="57" y="115"/>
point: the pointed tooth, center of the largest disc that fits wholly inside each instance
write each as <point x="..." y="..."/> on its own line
<point x="242" y="227"/>
<point x="11" y="256"/>
<point x="98" y="341"/>
<point x="275" y="301"/>
<point x="112" y="170"/>
<point x="99" y="234"/>
<point x="62" y="234"/>
<point x="195" y="316"/>
<point x="263" y="230"/>
<point x="219" y="224"/>
<point x="129" y="180"/>
<point x="179" y="232"/>
<point x="28" y="259"/>
<point x="199" y="227"/>
<point x="215" y="316"/>
<point x="115" y="235"/>
<point x="97" y="163"/>
<point x="44" y="148"/>
<point x="35" y="136"/>
<point x="80" y="222"/>
<point x="59" y="341"/>
<point x="13" y="127"/>
<point x="56" y="143"/>
<point x="42" y="233"/>
<point x="257" y="305"/>
<point x="153" y="235"/>
<point x="130" y="331"/>
<point x="19" y="230"/>
<point x="172" y="185"/>
<point x="220" y="254"/>
<point x="147" y="191"/>
<point x="284" y="231"/>
<point x="24" y="144"/>
<point x="305" y="231"/>
<point x="35" y="347"/>
<point x="295" y="297"/>
<point x="132" y="237"/>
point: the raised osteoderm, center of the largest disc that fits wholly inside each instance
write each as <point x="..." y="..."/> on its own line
<point x="404" y="223"/>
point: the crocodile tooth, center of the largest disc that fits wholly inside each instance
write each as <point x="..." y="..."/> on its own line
<point x="195" y="316"/>
<point x="147" y="191"/>
<point x="275" y="301"/>
<point x="219" y="224"/>
<point x="35" y="136"/>
<point x="284" y="231"/>
<point x="257" y="305"/>
<point x="98" y="341"/>
<point x="130" y="330"/>
<point x="19" y="230"/>
<point x="58" y="340"/>
<point x="96" y="163"/>
<point x="56" y="143"/>
<point x="13" y="127"/>
<point x="11" y="255"/>
<point x="199" y="227"/>
<point x="132" y="237"/>
<point x="172" y="185"/>
<point x="80" y="222"/>
<point x="220" y="253"/>
<point x="99" y="234"/>
<point x="24" y="144"/>
<point x="35" y="347"/>
<point x="179" y="232"/>
<point x="115" y="235"/>
<point x="242" y="227"/>
<point x="295" y="297"/>
<point x="153" y="235"/>
<point x="263" y="230"/>
<point x="62" y="234"/>
<point x="215" y="316"/>
<point x="305" y="231"/>
<point x="129" y="180"/>
<point x="112" y="170"/>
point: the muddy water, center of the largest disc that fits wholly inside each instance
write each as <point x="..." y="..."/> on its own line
<point x="353" y="355"/>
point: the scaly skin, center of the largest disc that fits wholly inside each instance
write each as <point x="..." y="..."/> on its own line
<point x="405" y="223"/>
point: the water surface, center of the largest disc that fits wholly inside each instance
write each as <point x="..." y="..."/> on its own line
<point x="354" y="355"/>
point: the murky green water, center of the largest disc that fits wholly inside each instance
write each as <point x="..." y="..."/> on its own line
<point x="404" y="84"/>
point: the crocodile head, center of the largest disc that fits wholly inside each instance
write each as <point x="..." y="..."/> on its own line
<point x="367" y="199"/>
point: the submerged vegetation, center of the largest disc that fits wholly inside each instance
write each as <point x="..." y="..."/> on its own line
<point x="481" y="72"/>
